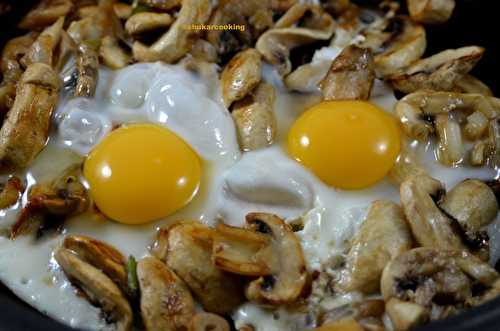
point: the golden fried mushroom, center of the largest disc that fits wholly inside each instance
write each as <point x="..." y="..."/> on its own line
<point x="166" y="303"/>
<point x="10" y="192"/>
<point x="26" y="128"/>
<point x="350" y="76"/>
<point x="382" y="236"/>
<point x="45" y="13"/>
<point x="208" y="322"/>
<point x="430" y="11"/>
<point x="162" y="4"/>
<point x="147" y="21"/>
<point x="42" y="50"/>
<point x="112" y="55"/>
<point x="470" y="84"/>
<point x="99" y="289"/>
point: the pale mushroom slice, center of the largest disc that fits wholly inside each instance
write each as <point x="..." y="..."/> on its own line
<point x="50" y="204"/>
<point x="208" y="322"/>
<point x="432" y="284"/>
<point x="430" y="11"/>
<point x="25" y="130"/>
<point x="439" y="72"/>
<point x="112" y="55"/>
<point x="189" y="255"/>
<point x="396" y="44"/>
<point x="166" y="303"/>
<point x="147" y="21"/>
<point x="10" y="192"/>
<point x="383" y="235"/>
<point x="100" y="255"/>
<point x="414" y="109"/>
<point x="350" y="76"/>
<point x="289" y="278"/>
<point x="470" y="84"/>
<point x="302" y="24"/>
<point x="241" y="75"/>
<point x="42" y="50"/>
<point x="45" y="13"/>
<point x="87" y="66"/>
<point x="123" y="10"/>
<point x="473" y="204"/>
<point x="99" y="289"/>
<point x="255" y="119"/>
<point x="429" y="225"/>
<point x="366" y="314"/>
<point x="176" y="42"/>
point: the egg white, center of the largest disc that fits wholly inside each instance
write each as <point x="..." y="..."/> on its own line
<point x="233" y="184"/>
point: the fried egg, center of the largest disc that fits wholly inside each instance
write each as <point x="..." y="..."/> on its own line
<point x="158" y="146"/>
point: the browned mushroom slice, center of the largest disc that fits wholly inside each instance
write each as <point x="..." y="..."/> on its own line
<point x="43" y="48"/>
<point x="147" y="21"/>
<point x="166" y="303"/>
<point x="87" y="66"/>
<point x="254" y="118"/>
<point x="440" y="72"/>
<point x="414" y="108"/>
<point x="162" y="4"/>
<point x="430" y="226"/>
<point x="341" y="325"/>
<point x="403" y="44"/>
<point x="430" y="11"/>
<point x="189" y="255"/>
<point x="208" y="322"/>
<point x="313" y="24"/>
<point x="100" y="255"/>
<point x="350" y="76"/>
<point x="25" y="130"/>
<point x="435" y="283"/>
<point x="241" y="251"/>
<point x="470" y="84"/>
<point x="49" y="204"/>
<point x="176" y="42"/>
<point x="382" y="236"/>
<point x="112" y="54"/>
<point x="10" y="192"/>
<point x="45" y="13"/>
<point x="289" y="279"/>
<point x="241" y="75"/>
<point x="98" y="288"/>
<point x="335" y="7"/>
<point x="473" y="205"/>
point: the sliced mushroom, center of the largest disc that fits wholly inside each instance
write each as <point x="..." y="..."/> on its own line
<point x="25" y="130"/>
<point x="123" y="10"/>
<point x="254" y="118"/>
<point x="407" y="164"/>
<point x="49" y="204"/>
<point x="100" y="255"/>
<point x="367" y="313"/>
<point x="98" y="287"/>
<point x="112" y="54"/>
<point x="396" y="44"/>
<point x="440" y="72"/>
<point x="45" y="13"/>
<point x="436" y="283"/>
<point x="350" y="76"/>
<point x="479" y="153"/>
<point x="430" y="11"/>
<point x="289" y="278"/>
<point x="382" y="236"/>
<point x="450" y="150"/>
<point x="166" y="303"/>
<point x="414" y="109"/>
<point x="189" y="252"/>
<point x="42" y="50"/>
<point x="342" y="325"/>
<point x="241" y="75"/>
<point x="313" y="24"/>
<point x="208" y="322"/>
<point x="494" y="142"/>
<point x="430" y="226"/>
<point x="10" y="192"/>
<point x="147" y="21"/>
<point x="470" y="84"/>
<point x="473" y="205"/>
<point x="176" y="42"/>
<point x="87" y="65"/>
<point x="162" y="4"/>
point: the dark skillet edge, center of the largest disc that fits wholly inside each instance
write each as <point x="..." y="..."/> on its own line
<point x="473" y="23"/>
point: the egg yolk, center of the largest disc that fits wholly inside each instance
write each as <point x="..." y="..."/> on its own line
<point x="140" y="173"/>
<point x="347" y="144"/>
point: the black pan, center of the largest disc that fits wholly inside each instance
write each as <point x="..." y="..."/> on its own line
<point x="474" y="22"/>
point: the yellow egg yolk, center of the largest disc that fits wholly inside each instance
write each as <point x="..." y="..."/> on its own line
<point x="347" y="144"/>
<point x="143" y="172"/>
